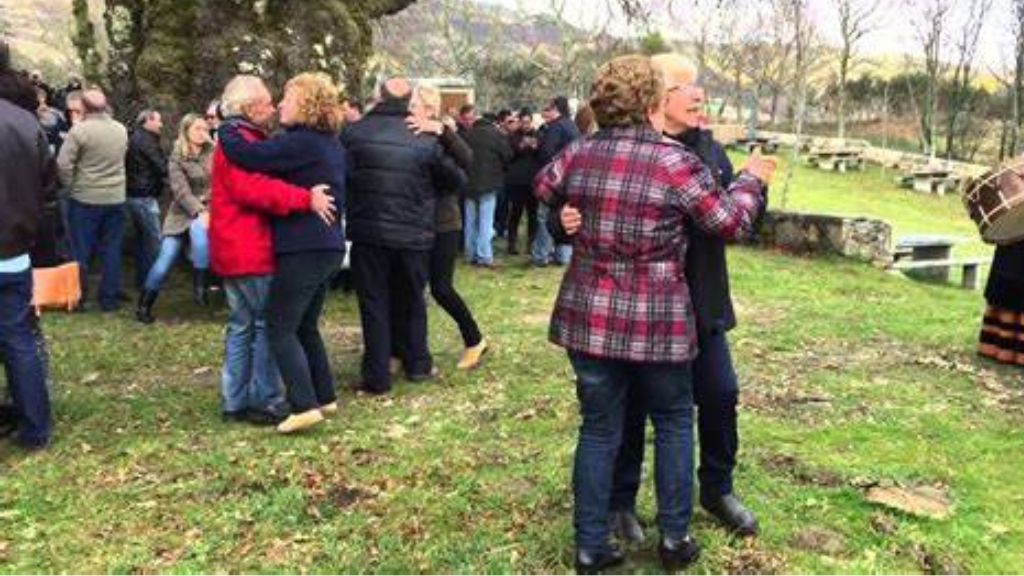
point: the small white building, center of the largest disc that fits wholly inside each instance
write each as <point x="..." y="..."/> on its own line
<point x="455" y="92"/>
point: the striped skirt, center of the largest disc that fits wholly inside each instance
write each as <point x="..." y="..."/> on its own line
<point x="1002" y="336"/>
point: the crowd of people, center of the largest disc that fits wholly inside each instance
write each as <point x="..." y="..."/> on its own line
<point x="633" y="195"/>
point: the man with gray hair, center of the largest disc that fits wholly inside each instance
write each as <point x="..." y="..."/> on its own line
<point x="146" y="166"/>
<point x="715" y="385"/>
<point x="395" y="181"/>
<point x="242" y="253"/>
<point x="91" y="164"/>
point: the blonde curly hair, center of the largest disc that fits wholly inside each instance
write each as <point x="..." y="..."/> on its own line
<point x="320" y="101"/>
<point x="625" y="90"/>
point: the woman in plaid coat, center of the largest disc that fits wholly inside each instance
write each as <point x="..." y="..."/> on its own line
<point x="623" y="310"/>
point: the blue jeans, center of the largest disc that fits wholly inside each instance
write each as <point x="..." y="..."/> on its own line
<point x="170" y="248"/>
<point x="144" y="214"/>
<point x="22" y="359"/>
<point x="715" y="392"/>
<point x="98" y="229"/>
<point x="602" y="387"/>
<point x="479" y="229"/>
<point x="250" y="378"/>
<point x="544" y="247"/>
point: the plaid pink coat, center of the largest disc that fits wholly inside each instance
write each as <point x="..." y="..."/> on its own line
<point x="625" y="295"/>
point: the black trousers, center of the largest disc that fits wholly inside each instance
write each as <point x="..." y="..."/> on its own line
<point x="522" y="202"/>
<point x="383" y="276"/>
<point x="501" y="211"/>
<point x="442" y="288"/>
<point x="715" y="393"/>
<point x="296" y="302"/>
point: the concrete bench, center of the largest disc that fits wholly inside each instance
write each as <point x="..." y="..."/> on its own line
<point x="837" y="162"/>
<point x="970" y="280"/>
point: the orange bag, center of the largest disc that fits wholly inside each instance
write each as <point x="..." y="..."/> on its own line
<point x="58" y="287"/>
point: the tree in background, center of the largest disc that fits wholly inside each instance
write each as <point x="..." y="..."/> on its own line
<point x="962" y="96"/>
<point x="177" y="54"/>
<point x="85" y="42"/>
<point x="856" y="20"/>
<point x="930" y="24"/>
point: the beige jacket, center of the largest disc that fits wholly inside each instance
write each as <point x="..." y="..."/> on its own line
<point x="190" y="190"/>
<point x="91" y="160"/>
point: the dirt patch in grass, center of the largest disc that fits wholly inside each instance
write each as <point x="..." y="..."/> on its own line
<point x="793" y="467"/>
<point x="932" y="562"/>
<point x="749" y="558"/>
<point x="345" y="497"/>
<point x="820" y="541"/>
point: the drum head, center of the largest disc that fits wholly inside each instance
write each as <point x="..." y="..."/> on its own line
<point x="1007" y="229"/>
<point x="996" y="203"/>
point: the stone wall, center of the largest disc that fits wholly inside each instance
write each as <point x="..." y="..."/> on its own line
<point x="859" y="238"/>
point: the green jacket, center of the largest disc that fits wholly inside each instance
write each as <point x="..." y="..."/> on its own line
<point x="91" y="161"/>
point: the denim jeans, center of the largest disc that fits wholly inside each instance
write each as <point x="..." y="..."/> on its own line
<point x="715" y="392"/>
<point x="22" y="359"/>
<point x="97" y="229"/>
<point x="170" y="248"/>
<point x="479" y="231"/>
<point x="602" y="387"/>
<point x="144" y="214"/>
<point x="544" y="247"/>
<point x="250" y="377"/>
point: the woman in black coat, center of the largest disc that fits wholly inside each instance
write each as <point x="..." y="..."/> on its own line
<point x="1002" y="330"/>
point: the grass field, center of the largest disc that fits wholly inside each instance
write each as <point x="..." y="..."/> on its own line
<point x="850" y="377"/>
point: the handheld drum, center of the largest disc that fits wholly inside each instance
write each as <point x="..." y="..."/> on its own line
<point x="995" y="202"/>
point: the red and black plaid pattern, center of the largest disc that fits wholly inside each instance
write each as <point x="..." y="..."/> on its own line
<point x="625" y="295"/>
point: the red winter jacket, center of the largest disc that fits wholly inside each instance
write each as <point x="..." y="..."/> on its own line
<point x="241" y="206"/>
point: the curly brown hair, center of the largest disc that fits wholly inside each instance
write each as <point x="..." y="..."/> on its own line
<point x="320" y="106"/>
<point x="624" y="91"/>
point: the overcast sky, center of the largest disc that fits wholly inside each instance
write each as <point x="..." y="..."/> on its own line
<point x="895" y="34"/>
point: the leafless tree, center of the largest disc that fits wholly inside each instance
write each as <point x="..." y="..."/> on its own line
<point x="960" y="99"/>
<point x="856" y="20"/>
<point x="804" y="56"/>
<point x="1010" y="75"/>
<point x="930" y="24"/>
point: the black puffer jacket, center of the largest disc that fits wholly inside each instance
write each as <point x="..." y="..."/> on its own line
<point x="395" y="180"/>
<point x="492" y="154"/>
<point x="145" y="165"/>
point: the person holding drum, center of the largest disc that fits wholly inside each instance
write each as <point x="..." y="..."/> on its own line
<point x="1002" y="329"/>
<point x="996" y="203"/>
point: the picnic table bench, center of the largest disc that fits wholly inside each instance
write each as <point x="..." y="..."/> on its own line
<point x="930" y="257"/>
<point x="767" y="145"/>
<point x="932" y="180"/>
<point x="837" y="160"/>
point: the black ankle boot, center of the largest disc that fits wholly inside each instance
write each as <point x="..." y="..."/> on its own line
<point x="199" y="292"/>
<point x="728" y="510"/>
<point x="144" y="311"/>
<point x="677" y="554"/>
<point x="596" y="562"/>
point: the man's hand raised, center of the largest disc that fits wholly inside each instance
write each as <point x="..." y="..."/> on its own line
<point x="761" y="167"/>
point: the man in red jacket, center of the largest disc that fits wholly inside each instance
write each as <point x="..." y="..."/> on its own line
<point x="242" y="253"/>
